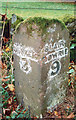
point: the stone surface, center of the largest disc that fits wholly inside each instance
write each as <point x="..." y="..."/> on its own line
<point x="41" y="59"/>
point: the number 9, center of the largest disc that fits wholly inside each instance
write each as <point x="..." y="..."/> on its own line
<point x="54" y="68"/>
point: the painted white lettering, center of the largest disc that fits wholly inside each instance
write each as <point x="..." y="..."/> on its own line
<point x="51" y="53"/>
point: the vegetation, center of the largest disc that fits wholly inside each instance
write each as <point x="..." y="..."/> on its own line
<point x="19" y="19"/>
<point x="70" y="23"/>
<point x="41" y="22"/>
<point x="37" y="9"/>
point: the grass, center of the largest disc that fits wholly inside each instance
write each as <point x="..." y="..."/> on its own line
<point x="43" y="9"/>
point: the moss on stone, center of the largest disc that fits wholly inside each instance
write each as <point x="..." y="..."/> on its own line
<point x="68" y="19"/>
<point x="70" y="23"/>
<point x="42" y="23"/>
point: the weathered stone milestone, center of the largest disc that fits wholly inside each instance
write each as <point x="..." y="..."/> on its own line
<point x="41" y="59"/>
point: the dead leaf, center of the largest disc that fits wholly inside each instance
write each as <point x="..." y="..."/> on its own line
<point x="7" y="49"/>
<point x="68" y="107"/>
<point x="56" y="113"/>
<point x="11" y="87"/>
<point x="10" y="100"/>
<point x="70" y="67"/>
<point x="68" y="80"/>
<point x="4" y="66"/>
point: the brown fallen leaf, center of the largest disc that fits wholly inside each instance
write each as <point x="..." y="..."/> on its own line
<point x="56" y="113"/>
<point x="7" y="49"/>
<point x="4" y="66"/>
<point x="10" y="100"/>
<point x="11" y="87"/>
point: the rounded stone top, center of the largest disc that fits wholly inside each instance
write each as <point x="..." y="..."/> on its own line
<point x="42" y="23"/>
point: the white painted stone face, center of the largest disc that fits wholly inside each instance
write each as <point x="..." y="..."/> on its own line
<point x="27" y="54"/>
